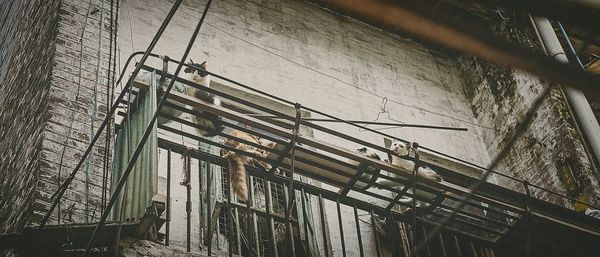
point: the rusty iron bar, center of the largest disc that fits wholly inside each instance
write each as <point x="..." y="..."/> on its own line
<point x="291" y="193"/>
<point x="168" y="217"/>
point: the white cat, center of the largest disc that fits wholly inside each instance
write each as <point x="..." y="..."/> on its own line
<point x="210" y="121"/>
<point x="402" y="149"/>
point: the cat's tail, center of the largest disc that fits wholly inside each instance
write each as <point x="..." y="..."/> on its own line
<point x="429" y="174"/>
<point x="237" y="176"/>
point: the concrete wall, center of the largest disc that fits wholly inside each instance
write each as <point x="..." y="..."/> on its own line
<point x="305" y="54"/>
<point x="500" y="97"/>
<point x="300" y="52"/>
<point x="27" y="33"/>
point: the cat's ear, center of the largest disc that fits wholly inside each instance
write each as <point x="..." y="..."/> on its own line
<point x="191" y="61"/>
<point x="203" y="65"/>
<point x="362" y="150"/>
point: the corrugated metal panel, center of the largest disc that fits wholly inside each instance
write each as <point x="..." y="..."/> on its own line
<point x="142" y="184"/>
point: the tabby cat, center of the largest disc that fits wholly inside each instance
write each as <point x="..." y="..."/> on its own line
<point x="236" y="161"/>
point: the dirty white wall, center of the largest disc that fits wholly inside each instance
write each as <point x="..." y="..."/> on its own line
<point x="300" y="52"/>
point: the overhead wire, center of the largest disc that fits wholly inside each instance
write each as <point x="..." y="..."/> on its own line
<point x="382" y="97"/>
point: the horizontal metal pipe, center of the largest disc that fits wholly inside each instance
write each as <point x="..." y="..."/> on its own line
<point x="370" y="123"/>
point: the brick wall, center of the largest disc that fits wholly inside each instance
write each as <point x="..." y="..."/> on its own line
<point x="76" y="108"/>
<point x="54" y="67"/>
<point x="27" y="33"/>
<point x="549" y="153"/>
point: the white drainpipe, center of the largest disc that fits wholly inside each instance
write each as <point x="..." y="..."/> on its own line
<point x="581" y="107"/>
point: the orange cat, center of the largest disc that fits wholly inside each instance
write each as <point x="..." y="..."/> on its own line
<point x="236" y="161"/>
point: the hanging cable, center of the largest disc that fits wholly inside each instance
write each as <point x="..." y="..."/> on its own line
<point x="62" y="154"/>
<point x="147" y="132"/>
<point x="382" y="97"/>
<point x="93" y="118"/>
<point x="63" y="187"/>
<point x="109" y="95"/>
<point x="126" y="5"/>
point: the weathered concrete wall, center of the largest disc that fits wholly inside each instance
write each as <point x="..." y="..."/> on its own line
<point x="300" y="52"/>
<point x="76" y="107"/>
<point x="27" y="33"/>
<point x="500" y="97"/>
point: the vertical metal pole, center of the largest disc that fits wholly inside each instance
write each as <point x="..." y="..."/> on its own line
<point x="269" y="203"/>
<point x="527" y="234"/>
<point x="481" y="252"/>
<point x="415" y="147"/>
<point x="201" y="201"/>
<point x="472" y="247"/>
<point x="427" y="249"/>
<point x="230" y="223"/>
<point x="391" y="223"/>
<point x="209" y="196"/>
<point x="442" y="246"/>
<point x="457" y="246"/>
<point x="188" y="203"/>
<point x="256" y="234"/>
<point x="290" y="248"/>
<point x="168" y="225"/>
<point x="290" y="192"/>
<point x="356" y="220"/>
<point x="339" y="213"/>
<point x="377" y="246"/>
<point x="254" y="218"/>
<point x="304" y="213"/>
<point x="323" y="225"/>
<point x="248" y="229"/>
<point x="238" y="231"/>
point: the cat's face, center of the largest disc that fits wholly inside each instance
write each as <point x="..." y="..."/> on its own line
<point x="400" y="148"/>
<point x="196" y="73"/>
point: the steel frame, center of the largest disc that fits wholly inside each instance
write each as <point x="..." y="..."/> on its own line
<point x="510" y="201"/>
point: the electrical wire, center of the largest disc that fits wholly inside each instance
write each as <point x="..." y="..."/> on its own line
<point x="382" y="97"/>
<point x="147" y="130"/>
<point x="126" y="5"/>
<point x="93" y="118"/>
<point x="62" y="155"/>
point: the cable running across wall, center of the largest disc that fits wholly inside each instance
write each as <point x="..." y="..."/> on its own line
<point x="93" y="118"/>
<point x="348" y="83"/>
<point x="62" y="155"/>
